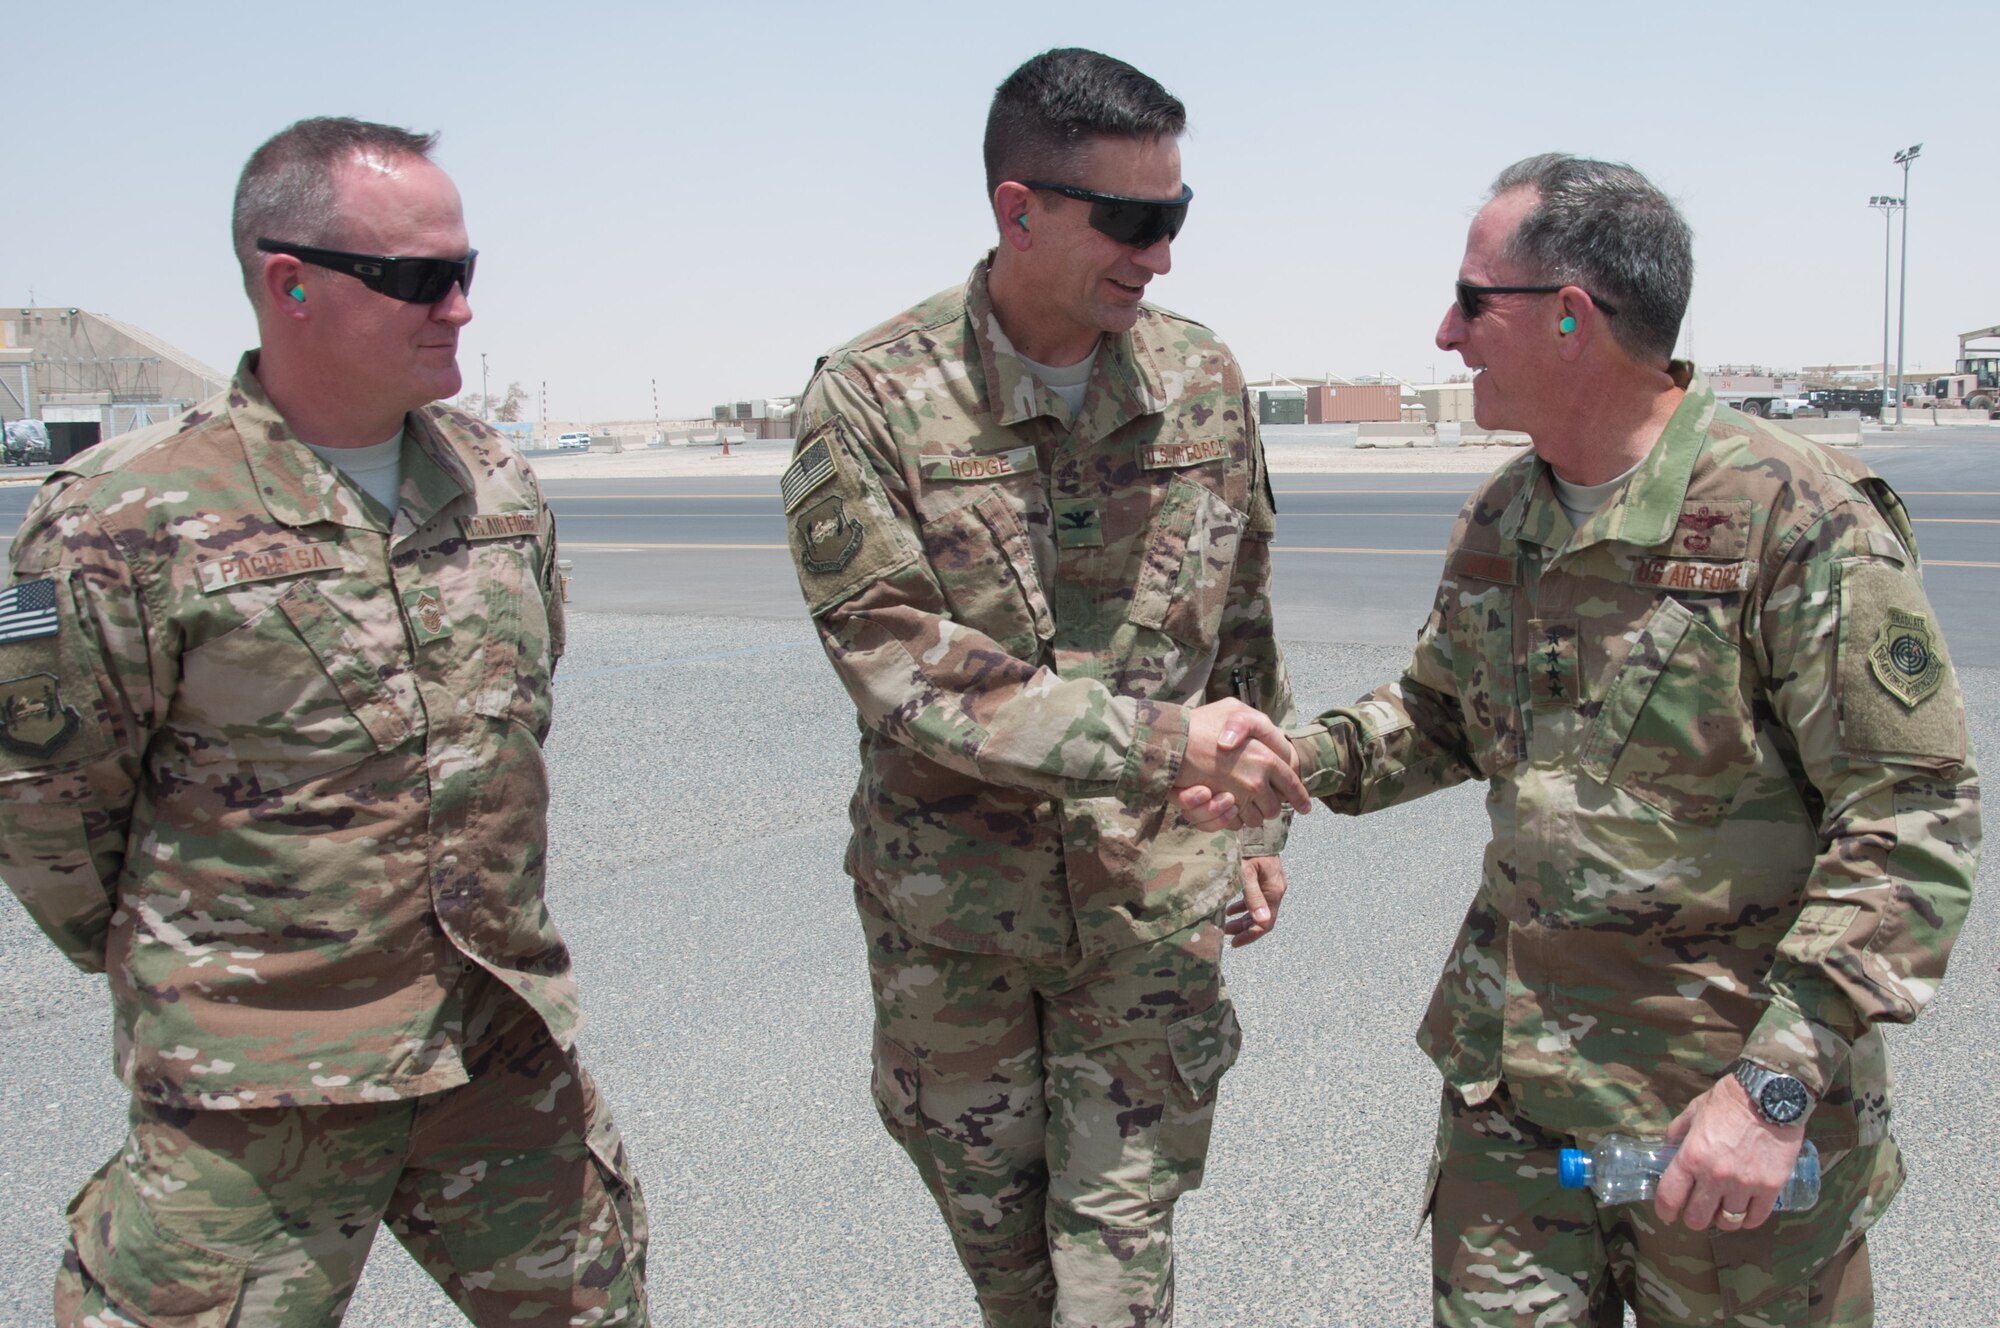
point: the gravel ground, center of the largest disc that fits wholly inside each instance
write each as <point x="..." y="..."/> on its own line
<point x="701" y="771"/>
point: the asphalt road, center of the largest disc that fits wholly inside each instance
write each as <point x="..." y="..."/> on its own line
<point x="1358" y="555"/>
<point x="702" y="758"/>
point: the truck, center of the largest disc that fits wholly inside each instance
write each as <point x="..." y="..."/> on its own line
<point x="1978" y="372"/>
<point x="1752" y="392"/>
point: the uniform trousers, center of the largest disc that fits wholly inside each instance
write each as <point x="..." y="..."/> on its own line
<point x="1510" y="1248"/>
<point x="512" y="1190"/>
<point x="1056" y="1109"/>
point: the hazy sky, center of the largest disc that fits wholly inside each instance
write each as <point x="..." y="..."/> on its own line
<point x="711" y="195"/>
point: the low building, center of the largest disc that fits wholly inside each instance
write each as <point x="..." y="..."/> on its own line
<point x="89" y="377"/>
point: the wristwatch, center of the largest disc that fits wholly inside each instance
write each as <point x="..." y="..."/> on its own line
<point x="1779" y="1098"/>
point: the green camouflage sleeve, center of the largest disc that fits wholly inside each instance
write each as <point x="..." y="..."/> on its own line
<point x="1249" y="665"/>
<point x="1408" y="738"/>
<point x="920" y="678"/>
<point x="1864" y="686"/>
<point x="77" y="693"/>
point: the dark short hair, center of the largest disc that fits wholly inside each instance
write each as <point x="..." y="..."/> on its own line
<point x="1046" y="113"/>
<point x="287" y="190"/>
<point x="1605" y="227"/>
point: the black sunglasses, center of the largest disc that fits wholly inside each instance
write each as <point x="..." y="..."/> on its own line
<point x="413" y="280"/>
<point x="1139" y="222"/>
<point x="1472" y="299"/>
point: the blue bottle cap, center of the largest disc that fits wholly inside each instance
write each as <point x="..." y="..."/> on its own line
<point x="1574" y="1169"/>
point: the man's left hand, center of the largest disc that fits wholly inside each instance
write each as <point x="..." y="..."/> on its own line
<point x="1256" y="913"/>
<point x="1731" y="1165"/>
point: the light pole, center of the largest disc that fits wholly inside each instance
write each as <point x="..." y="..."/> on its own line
<point x="485" y="398"/>
<point x="1903" y="159"/>
<point x="1888" y="207"/>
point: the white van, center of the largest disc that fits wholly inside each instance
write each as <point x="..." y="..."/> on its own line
<point x="573" y="442"/>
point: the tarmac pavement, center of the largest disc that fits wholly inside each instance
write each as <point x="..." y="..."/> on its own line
<point x="701" y="771"/>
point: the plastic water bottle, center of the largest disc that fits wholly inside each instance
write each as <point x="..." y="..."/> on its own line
<point x="1623" y="1170"/>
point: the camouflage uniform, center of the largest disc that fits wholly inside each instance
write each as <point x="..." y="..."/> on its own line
<point x="1023" y="610"/>
<point x="270" y="758"/>
<point x="1733" y="815"/>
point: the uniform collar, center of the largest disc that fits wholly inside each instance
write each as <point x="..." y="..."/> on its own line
<point x="1125" y="383"/>
<point x="1647" y="509"/>
<point x="299" y="489"/>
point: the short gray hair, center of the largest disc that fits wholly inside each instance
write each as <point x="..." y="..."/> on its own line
<point x="1603" y="226"/>
<point x="286" y="191"/>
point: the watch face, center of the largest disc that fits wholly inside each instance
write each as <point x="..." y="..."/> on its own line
<point x="1783" y="1100"/>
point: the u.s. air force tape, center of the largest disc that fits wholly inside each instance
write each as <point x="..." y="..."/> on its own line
<point x="811" y="468"/>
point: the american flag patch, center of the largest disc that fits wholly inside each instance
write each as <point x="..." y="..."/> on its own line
<point x="28" y="611"/>
<point x="812" y="468"/>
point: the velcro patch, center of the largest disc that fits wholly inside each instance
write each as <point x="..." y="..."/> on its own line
<point x="1177" y="456"/>
<point x="812" y="467"/>
<point x="1905" y="659"/>
<point x="1495" y="567"/>
<point x="1079" y="523"/>
<point x="427" y="616"/>
<point x="1716" y="529"/>
<point x="1552" y="661"/>
<point x="28" y="611"/>
<point x="34" y="719"/>
<point x="1689" y="574"/>
<point x="269" y="565"/>
<point x="1898" y="696"/>
<point x="828" y="537"/>
<point x="498" y="525"/>
<point x="980" y="466"/>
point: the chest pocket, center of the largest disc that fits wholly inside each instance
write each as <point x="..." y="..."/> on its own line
<point x="985" y="565"/>
<point x="1486" y="665"/>
<point x="500" y="648"/>
<point x="1673" y="729"/>
<point x="293" y="694"/>
<point x="1187" y="564"/>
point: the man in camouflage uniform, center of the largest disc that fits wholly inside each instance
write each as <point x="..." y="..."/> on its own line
<point x="1734" y="817"/>
<point x="1031" y="521"/>
<point x="272" y="697"/>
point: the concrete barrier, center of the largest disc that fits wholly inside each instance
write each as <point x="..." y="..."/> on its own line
<point x="1471" y="435"/>
<point x="1392" y="433"/>
<point x="1838" y="431"/>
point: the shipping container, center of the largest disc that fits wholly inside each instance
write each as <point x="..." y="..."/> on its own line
<point x="1352" y="403"/>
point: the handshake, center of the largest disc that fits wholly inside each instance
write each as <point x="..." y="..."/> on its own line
<point x="1239" y="768"/>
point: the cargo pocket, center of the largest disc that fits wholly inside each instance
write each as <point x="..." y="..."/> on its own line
<point x="895" y="1093"/>
<point x="1203" y="1047"/>
<point x="985" y="564"/>
<point x="614" y="1170"/>
<point x="1189" y="562"/>
<point x="145" y="1271"/>
<point x="1673" y="729"/>
<point x="1774" y="1266"/>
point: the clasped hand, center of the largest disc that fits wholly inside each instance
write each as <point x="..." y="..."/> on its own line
<point x="1239" y="770"/>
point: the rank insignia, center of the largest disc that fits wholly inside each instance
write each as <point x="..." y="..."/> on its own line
<point x="828" y="537"/>
<point x="1552" y="663"/>
<point x="1079" y="523"/>
<point x="1905" y="658"/>
<point x="33" y="719"/>
<point x="427" y="616"/>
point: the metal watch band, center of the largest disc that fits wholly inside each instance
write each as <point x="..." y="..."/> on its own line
<point x="1755" y="1079"/>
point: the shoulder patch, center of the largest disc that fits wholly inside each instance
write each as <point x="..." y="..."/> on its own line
<point x="828" y="537"/>
<point x="34" y="719"/>
<point x="1905" y="659"/>
<point x="28" y="611"/>
<point x="812" y="467"/>
<point x="1898" y="694"/>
